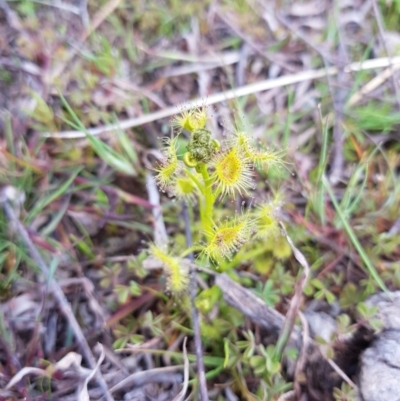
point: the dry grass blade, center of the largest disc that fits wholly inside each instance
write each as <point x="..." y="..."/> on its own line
<point x="287" y="396"/>
<point x="182" y="393"/>
<point x="340" y="372"/>
<point x="63" y="303"/>
<point x="296" y="300"/>
<point x="227" y="95"/>
<point x="372" y="85"/>
<point x="252" y="306"/>
<point x="166" y="374"/>
<point x="302" y="359"/>
<point x="83" y="393"/>
<point x="23" y="372"/>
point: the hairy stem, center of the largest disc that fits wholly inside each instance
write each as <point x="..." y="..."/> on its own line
<point x="194" y="248"/>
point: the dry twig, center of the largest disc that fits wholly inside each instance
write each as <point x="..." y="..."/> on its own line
<point x="228" y="95"/>
<point x="295" y="302"/>
<point x="181" y="395"/>
<point x="161" y="375"/>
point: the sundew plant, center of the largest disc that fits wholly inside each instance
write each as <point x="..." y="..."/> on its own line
<point x="210" y="172"/>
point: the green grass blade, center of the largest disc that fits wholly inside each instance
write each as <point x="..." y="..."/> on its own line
<point x="353" y="238"/>
<point x="49" y="228"/>
<point x="42" y="203"/>
<point x="320" y="198"/>
<point x="114" y="159"/>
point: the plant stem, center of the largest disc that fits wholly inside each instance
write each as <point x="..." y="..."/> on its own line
<point x="190" y="250"/>
<point x="195" y="316"/>
<point x="208" y="200"/>
<point x="194" y="179"/>
<point x="243" y="256"/>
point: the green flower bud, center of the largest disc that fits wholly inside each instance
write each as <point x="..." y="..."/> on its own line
<point x="201" y="146"/>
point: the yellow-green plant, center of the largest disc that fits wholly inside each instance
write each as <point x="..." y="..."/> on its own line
<point x="210" y="171"/>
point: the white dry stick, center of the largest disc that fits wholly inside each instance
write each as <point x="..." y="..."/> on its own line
<point x="27" y="370"/>
<point x="287" y="396"/>
<point x="372" y="85"/>
<point x="160" y="233"/>
<point x="181" y="395"/>
<point x="83" y="393"/>
<point x="230" y="94"/>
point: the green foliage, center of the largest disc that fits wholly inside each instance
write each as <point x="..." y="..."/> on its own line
<point x="207" y="299"/>
<point x="345" y="393"/>
<point x="127" y="333"/>
<point x="318" y="289"/>
<point x="122" y="161"/>
<point x="376" y="117"/>
<point x="350" y="296"/>
<point x="368" y="314"/>
<point x="267" y="293"/>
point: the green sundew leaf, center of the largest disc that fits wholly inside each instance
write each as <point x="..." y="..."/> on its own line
<point x="61" y="190"/>
<point x="356" y="243"/>
<point x="114" y="159"/>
